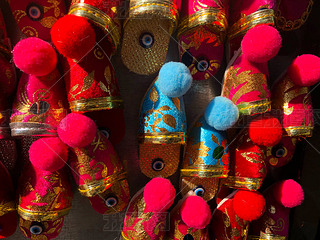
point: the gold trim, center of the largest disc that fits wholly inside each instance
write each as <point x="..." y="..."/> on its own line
<point x="96" y="104"/>
<point x="289" y="25"/>
<point x="94" y="188"/>
<point x="31" y="215"/>
<point x="206" y="171"/>
<point x="163" y="138"/>
<point x="123" y="236"/>
<point x="206" y="16"/>
<point x="303" y="131"/>
<point x="163" y="8"/>
<point x="266" y="236"/>
<point x="253" y="237"/>
<point x="100" y="18"/>
<point x="7" y="207"/>
<point x="260" y="106"/>
<point x="262" y="16"/>
<point x="242" y="182"/>
<point x="31" y="129"/>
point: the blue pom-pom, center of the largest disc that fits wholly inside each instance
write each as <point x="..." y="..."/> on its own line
<point x="174" y="79"/>
<point x="221" y="113"/>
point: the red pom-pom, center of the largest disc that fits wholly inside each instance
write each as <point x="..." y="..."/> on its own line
<point x="159" y="194"/>
<point x="249" y="205"/>
<point x="73" y="36"/>
<point x="305" y="70"/>
<point x="265" y="131"/>
<point x="261" y="43"/>
<point x="77" y="130"/>
<point x="48" y="154"/>
<point x="289" y="193"/>
<point x="195" y="212"/>
<point x="34" y="56"/>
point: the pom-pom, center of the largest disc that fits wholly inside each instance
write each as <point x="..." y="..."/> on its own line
<point x="34" y="56"/>
<point x="77" y="130"/>
<point x="289" y="193"/>
<point x="159" y="194"/>
<point x="261" y="43"/>
<point x="305" y="70"/>
<point x="195" y="212"/>
<point x="221" y="113"/>
<point x="265" y="131"/>
<point x="73" y="36"/>
<point x="174" y="79"/>
<point x="249" y="205"/>
<point x="48" y="154"/>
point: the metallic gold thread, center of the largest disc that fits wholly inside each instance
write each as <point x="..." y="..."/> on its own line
<point x="42" y="216"/>
<point x="262" y="16"/>
<point x="206" y="16"/>
<point x="96" y="104"/>
<point x="93" y="188"/>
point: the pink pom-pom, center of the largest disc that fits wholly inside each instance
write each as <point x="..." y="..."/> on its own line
<point x="249" y="205"/>
<point x="73" y="36"/>
<point x="34" y="56"/>
<point x="265" y="131"/>
<point x="159" y="194"/>
<point x="289" y="193"/>
<point x="305" y="70"/>
<point x="261" y="43"/>
<point x="77" y="130"/>
<point x="195" y="212"/>
<point x="48" y="154"/>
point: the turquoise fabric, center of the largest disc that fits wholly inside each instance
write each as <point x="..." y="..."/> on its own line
<point x="161" y="114"/>
<point x="208" y="144"/>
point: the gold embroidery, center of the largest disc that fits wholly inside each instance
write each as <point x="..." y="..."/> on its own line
<point x="289" y="25"/>
<point x="46" y="207"/>
<point x="93" y="188"/>
<point x="98" y="53"/>
<point x="18" y="14"/>
<point x="137" y="218"/>
<point x="48" y="22"/>
<point x="282" y="95"/>
<point x="176" y="102"/>
<point x="253" y="157"/>
<point x="249" y="81"/>
<point x="7" y="207"/>
<point x="195" y="151"/>
<point x="30" y="31"/>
